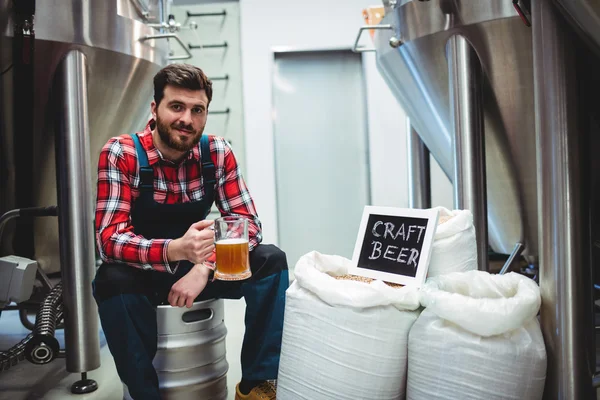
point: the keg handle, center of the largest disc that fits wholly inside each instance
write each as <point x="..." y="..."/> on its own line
<point x="202" y="315"/>
<point x="191" y="317"/>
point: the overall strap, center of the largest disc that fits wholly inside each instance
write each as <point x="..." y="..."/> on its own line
<point x="146" y="171"/>
<point x="208" y="169"/>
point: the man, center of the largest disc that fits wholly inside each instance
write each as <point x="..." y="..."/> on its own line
<point x="155" y="189"/>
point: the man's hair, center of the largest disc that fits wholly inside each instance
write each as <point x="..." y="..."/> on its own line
<point x="185" y="76"/>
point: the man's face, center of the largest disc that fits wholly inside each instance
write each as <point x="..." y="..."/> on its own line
<point x="181" y="117"/>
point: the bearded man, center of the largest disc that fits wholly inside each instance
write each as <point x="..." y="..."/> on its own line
<point x="155" y="190"/>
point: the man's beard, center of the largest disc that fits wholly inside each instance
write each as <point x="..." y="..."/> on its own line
<point x="173" y="139"/>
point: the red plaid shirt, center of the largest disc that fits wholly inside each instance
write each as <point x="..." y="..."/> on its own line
<point x="118" y="182"/>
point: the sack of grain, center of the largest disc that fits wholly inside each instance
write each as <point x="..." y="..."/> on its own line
<point x="478" y="338"/>
<point x="343" y="338"/>
<point x="454" y="246"/>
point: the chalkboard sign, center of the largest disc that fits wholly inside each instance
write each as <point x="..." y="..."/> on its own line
<point x="394" y="244"/>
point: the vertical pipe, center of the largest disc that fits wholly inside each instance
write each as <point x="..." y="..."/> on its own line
<point x="566" y="322"/>
<point x="23" y="102"/>
<point x="74" y="180"/>
<point x="466" y="113"/>
<point x="419" y="172"/>
<point x="163" y="13"/>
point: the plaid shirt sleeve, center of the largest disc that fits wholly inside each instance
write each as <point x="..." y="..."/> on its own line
<point x="115" y="238"/>
<point x="232" y="196"/>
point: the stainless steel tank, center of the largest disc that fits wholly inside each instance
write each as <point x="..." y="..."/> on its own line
<point x="4" y="8"/>
<point x="417" y="73"/>
<point x="531" y="80"/>
<point x="584" y="15"/>
<point x="81" y="73"/>
<point x="120" y="71"/>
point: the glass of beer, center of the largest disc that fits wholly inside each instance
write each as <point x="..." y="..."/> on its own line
<point x="231" y="242"/>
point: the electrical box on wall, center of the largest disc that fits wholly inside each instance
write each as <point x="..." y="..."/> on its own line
<point x="215" y="46"/>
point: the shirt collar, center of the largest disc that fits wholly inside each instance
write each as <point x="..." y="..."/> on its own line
<point x="154" y="155"/>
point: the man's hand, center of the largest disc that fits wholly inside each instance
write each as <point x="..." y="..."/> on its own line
<point x="196" y="245"/>
<point x="186" y="289"/>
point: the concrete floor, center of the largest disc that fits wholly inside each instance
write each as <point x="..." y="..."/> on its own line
<point x="27" y="381"/>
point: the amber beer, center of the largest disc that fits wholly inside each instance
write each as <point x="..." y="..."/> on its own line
<point x="231" y="242"/>
<point x="232" y="256"/>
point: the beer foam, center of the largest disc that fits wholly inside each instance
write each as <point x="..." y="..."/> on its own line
<point x="232" y="241"/>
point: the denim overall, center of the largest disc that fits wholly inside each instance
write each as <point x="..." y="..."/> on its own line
<point x="127" y="296"/>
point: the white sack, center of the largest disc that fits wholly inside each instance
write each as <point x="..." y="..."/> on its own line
<point x="343" y="339"/>
<point x="478" y="338"/>
<point x="454" y="245"/>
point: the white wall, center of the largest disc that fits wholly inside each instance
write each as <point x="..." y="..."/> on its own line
<point x="312" y="24"/>
<point x="388" y="141"/>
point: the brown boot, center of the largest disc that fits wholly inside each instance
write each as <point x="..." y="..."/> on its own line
<point x="264" y="391"/>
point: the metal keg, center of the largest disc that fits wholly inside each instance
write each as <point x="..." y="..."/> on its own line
<point x="190" y="360"/>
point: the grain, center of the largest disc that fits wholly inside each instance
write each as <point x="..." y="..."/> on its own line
<point x="444" y="218"/>
<point x="364" y="279"/>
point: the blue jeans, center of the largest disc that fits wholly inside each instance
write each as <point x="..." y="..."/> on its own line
<point x="129" y="319"/>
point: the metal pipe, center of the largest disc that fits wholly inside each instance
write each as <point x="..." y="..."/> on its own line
<point x="357" y="49"/>
<point x="225" y="111"/>
<point x="519" y="247"/>
<point x="26" y="212"/>
<point x="207" y="46"/>
<point x="466" y="113"/>
<point x="419" y="171"/>
<point x="207" y="14"/>
<point x="170" y="36"/>
<point x="566" y="318"/>
<point x="7" y="216"/>
<point x="219" y="78"/>
<point x="76" y="230"/>
<point x="163" y="12"/>
<point x="141" y="9"/>
<point x="24" y="95"/>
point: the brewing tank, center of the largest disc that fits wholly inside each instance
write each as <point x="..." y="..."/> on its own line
<point x="120" y="68"/>
<point x="531" y="76"/>
<point x="584" y="16"/>
<point x="417" y="73"/>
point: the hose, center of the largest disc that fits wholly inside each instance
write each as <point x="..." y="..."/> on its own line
<point x="23" y="316"/>
<point x="14" y="355"/>
<point x="43" y="347"/>
<point x="51" y="211"/>
<point x="40" y="346"/>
